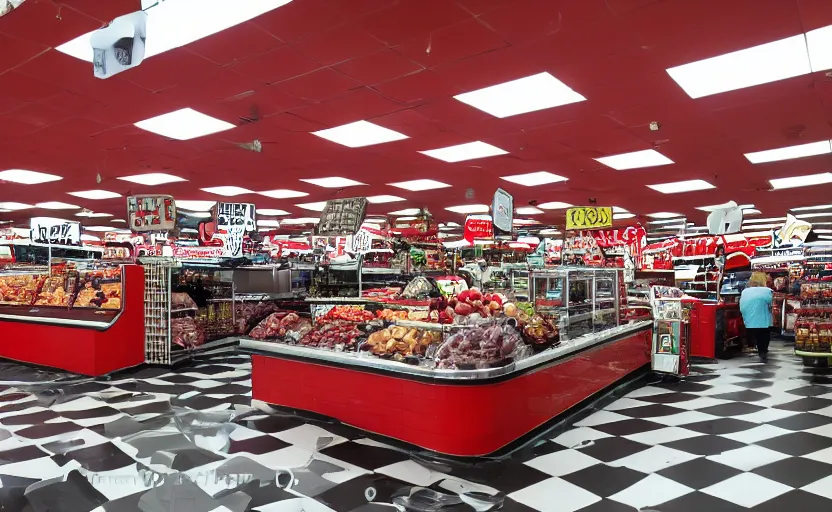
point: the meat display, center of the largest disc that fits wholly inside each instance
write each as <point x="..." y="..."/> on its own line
<point x="248" y="314"/>
<point x="484" y="346"/>
<point x="181" y="301"/>
<point x="337" y="335"/>
<point x="281" y="324"/>
<point x="20" y="289"/>
<point x="53" y="293"/>
<point x="401" y="341"/>
<point x="349" y="314"/>
<point x="186" y="333"/>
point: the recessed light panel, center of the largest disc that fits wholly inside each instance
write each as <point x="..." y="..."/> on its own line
<point x="175" y="23"/>
<point x="100" y="229"/>
<point x="811" y="208"/>
<point x="761" y="64"/>
<point x="463" y="152"/>
<point x="265" y="223"/>
<point x="534" y="178"/>
<point x="528" y="94"/>
<point x="788" y="153"/>
<point x="663" y="215"/>
<point x="620" y="216"/>
<point x="227" y="191"/>
<point x="283" y="193"/>
<point x="95" y="194"/>
<point x="819" y="42"/>
<point x="93" y="214"/>
<point x="153" y="178"/>
<point x="384" y="199"/>
<point x="184" y="124"/>
<point x="769" y="219"/>
<point x="27" y="177"/>
<point x="196" y="206"/>
<point x="419" y="185"/>
<point x="333" y="182"/>
<point x="469" y="208"/>
<point x="681" y="186"/>
<point x="635" y="160"/>
<point x="120" y="221"/>
<point x="408" y="211"/>
<point x="750" y="211"/>
<point x="315" y="207"/>
<point x="360" y="134"/>
<point x="525" y="222"/>
<point x="12" y="206"/>
<point x="801" y="181"/>
<point x="618" y="209"/>
<point x="554" y="205"/>
<point x="528" y="210"/>
<point x="57" y="205"/>
<point x="271" y="211"/>
<point x="301" y="220"/>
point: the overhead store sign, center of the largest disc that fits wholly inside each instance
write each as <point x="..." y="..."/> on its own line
<point x="502" y="212"/>
<point x="342" y="217"/>
<point x="726" y="220"/>
<point x="794" y="231"/>
<point x="49" y="231"/>
<point x="151" y="213"/>
<point x="478" y="227"/>
<point x="589" y="217"/>
<point x="234" y="220"/>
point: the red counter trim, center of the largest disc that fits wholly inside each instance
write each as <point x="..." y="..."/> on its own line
<point x="462" y="419"/>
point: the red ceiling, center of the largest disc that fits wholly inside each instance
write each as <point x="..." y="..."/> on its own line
<point x="314" y="64"/>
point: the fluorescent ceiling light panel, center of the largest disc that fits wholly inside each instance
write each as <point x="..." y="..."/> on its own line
<point x="12" y="206"/>
<point x="757" y="65"/>
<point x="754" y="227"/>
<point x="118" y="220"/>
<point x="95" y="194"/>
<point x="57" y="205"/>
<point x="271" y="211"/>
<point x="549" y="232"/>
<point x="227" y="191"/>
<point x="681" y="186"/>
<point x="24" y="177"/>
<point x="153" y="178"/>
<point x="528" y="210"/>
<point x="819" y="42"/>
<point x="534" y="178"/>
<point x="635" y="160"/>
<point x="664" y="215"/>
<point x="175" y="23"/>
<point x="282" y="193"/>
<point x="90" y="238"/>
<point x="408" y="211"/>
<point x="93" y="214"/>
<point x="620" y="216"/>
<point x="788" y="153"/>
<point x="268" y="223"/>
<point x="384" y="199"/>
<point x="333" y="182"/>
<point x="528" y="94"/>
<point x="462" y="152"/>
<point x="315" y="207"/>
<point x="750" y="211"/>
<point x="406" y="218"/>
<point x="618" y="209"/>
<point x="811" y="208"/>
<point x="525" y="222"/>
<point x="813" y="215"/>
<point x="197" y="206"/>
<point x="360" y="134"/>
<point x="554" y="205"/>
<point x="801" y="181"/>
<point x="768" y="219"/>
<point x="724" y="205"/>
<point x="419" y="185"/>
<point x="100" y="228"/>
<point x="301" y="220"/>
<point x="184" y="124"/>
<point x="469" y="208"/>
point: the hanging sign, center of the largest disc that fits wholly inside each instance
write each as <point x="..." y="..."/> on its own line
<point x="478" y="227"/>
<point x="794" y="232"/>
<point x="151" y="213"/>
<point x="342" y="217"/>
<point x="360" y="242"/>
<point x="502" y="212"/>
<point x="589" y="217"/>
<point x="233" y="221"/>
<point x="49" y="231"/>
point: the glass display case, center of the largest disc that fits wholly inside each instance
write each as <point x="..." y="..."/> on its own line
<point x="582" y="300"/>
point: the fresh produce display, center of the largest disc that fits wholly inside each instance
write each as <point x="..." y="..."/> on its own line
<point x="484" y="346"/>
<point x="389" y="314"/>
<point x="349" y="314"/>
<point x="186" y="333"/>
<point x="281" y="324"/>
<point x="337" y="335"/>
<point x="467" y="303"/>
<point x="401" y="341"/>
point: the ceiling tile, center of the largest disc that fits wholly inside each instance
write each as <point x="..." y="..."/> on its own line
<point x="169" y="69"/>
<point x="319" y="85"/>
<point x="17" y="51"/>
<point x="338" y="44"/>
<point x="357" y="105"/>
<point x="235" y="44"/>
<point x="407" y="19"/>
<point x="418" y="88"/>
<point x="450" y="44"/>
<point x="103" y="11"/>
<point x="48" y="23"/>
<point x="277" y="65"/>
<point x="378" y="67"/>
<point x="299" y="19"/>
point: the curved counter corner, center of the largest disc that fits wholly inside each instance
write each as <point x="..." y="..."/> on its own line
<point x="462" y="413"/>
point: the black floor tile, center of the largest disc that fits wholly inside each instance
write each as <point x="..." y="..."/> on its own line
<point x="699" y="473"/>
<point x="668" y="398"/>
<point x="85" y="414"/>
<point x="804" y="421"/>
<point x="75" y="494"/>
<point x="743" y="396"/>
<point x="34" y="418"/>
<point x="21" y="454"/>
<point x="705" y="445"/>
<point x="795" y="471"/>
<point x="795" y="501"/>
<point x="810" y="391"/>
<point x="797" y="443"/>
<point x="805" y="404"/>
<point x="363" y="456"/>
<point x="685" y="387"/>
<point x="697" y="502"/>
<point x="650" y="411"/>
<point x="734" y="409"/>
<point x="98" y="458"/>
<point x="257" y="445"/>
<point x="755" y="384"/>
<point x="613" y="448"/>
<point x="360" y="491"/>
<point x="628" y="427"/>
<point x="603" y="480"/>
<point x="606" y="505"/>
<point x="48" y="430"/>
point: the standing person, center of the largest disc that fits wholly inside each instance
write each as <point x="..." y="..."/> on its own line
<point x="755" y="306"/>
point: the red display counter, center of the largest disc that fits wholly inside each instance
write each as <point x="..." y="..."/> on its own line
<point x="454" y="412"/>
<point x="714" y="328"/>
<point x="88" y="341"/>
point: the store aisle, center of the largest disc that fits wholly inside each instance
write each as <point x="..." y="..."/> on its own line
<point x="738" y="436"/>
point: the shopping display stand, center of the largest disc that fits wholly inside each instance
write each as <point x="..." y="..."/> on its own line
<point x="671" y="332"/>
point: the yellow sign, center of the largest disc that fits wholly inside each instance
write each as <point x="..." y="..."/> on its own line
<point x="589" y="217"/>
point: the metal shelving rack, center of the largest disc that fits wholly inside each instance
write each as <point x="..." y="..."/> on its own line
<point x="157" y="293"/>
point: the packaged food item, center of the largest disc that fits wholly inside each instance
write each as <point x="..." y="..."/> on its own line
<point x="401" y="341"/>
<point x="186" y="333"/>
<point x="484" y="346"/>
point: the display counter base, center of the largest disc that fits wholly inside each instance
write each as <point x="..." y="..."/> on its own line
<point x="464" y="417"/>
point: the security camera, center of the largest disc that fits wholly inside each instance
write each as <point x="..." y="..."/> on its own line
<point x="120" y="45"/>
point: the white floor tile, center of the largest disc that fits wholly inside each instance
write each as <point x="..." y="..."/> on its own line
<point x="555" y="495"/>
<point x="310" y="437"/>
<point x="648" y="391"/>
<point x="625" y="403"/>
<point x="683" y="418"/>
<point x="663" y="435"/>
<point x="700" y="403"/>
<point x="747" y="489"/>
<point x="651" y="491"/>
<point x="601" y="418"/>
<point x="654" y="459"/>
<point x="563" y="462"/>
<point x="757" y="434"/>
<point x="822" y="487"/>
<point x="579" y="435"/>
<point x="748" y="457"/>
<point x="766" y="415"/>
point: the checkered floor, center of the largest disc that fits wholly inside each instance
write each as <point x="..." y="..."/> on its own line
<point x="737" y="436"/>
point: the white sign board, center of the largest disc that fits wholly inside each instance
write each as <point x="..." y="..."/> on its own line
<point x="50" y="231"/>
<point x="234" y="220"/>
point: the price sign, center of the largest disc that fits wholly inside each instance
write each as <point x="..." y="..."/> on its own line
<point x="478" y="227"/>
<point x="49" y="231"/>
<point x="502" y="211"/>
<point x="342" y="217"/>
<point x="234" y="220"/>
<point x="151" y="213"/>
<point x="589" y="217"/>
